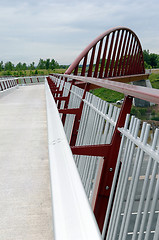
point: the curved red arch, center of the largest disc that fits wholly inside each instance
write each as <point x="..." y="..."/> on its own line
<point x="124" y="56"/>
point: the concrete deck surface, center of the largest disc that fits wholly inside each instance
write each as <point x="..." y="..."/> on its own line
<point x="25" y="197"/>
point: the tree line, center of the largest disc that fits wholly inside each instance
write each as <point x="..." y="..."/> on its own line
<point x="42" y="64"/>
<point x="151" y="60"/>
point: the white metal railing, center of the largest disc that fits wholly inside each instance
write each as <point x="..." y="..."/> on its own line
<point x="72" y="214"/>
<point x="7" y="84"/>
<point x="133" y="208"/>
<point x="31" y="80"/>
<point x="97" y="126"/>
<point x="135" y="213"/>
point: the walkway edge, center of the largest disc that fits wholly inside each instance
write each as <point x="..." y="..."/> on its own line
<point x="72" y="215"/>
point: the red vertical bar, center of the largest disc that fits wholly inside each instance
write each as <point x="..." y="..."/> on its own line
<point x="77" y="118"/>
<point x="63" y="119"/>
<point x="63" y="87"/>
<point x="1" y="86"/>
<point x="103" y="58"/>
<point x="91" y="62"/>
<point x="84" y="65"/>
<point x="37" y="79"/>
<point x="136" y="56"/>
<point x="31" y="80"/>
<point x="109" y="56"/>
<point x="24" y="81"/>
<point x="122" y="54"/>
<point x="109" y="165"/>
<point x="4" y="85"/>
<point x="118" y="54"/>
<point x="98" y="59"/>
<point x="123" y="65"/>
<point x="140" y="68"/>
<point x="129" y="55"/>
<point x="76" y="70"/>
<point x="114" y="54"/>
<point x="7" y="84"/>
<point x="132" y="61"/>
<point x="137" y="64"/>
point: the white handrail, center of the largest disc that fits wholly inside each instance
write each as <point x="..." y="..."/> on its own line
<point x="72" y="214"/>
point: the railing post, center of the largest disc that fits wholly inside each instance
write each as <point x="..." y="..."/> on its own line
<point x="63" y="119"/>
<point x="59" y="102"/>
<point x="109" y="164"/>
<point x="78" y="118"/>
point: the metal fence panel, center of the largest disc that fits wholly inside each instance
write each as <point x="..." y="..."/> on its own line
<point x="96" y="126"/>
<point x="136" y="203"/>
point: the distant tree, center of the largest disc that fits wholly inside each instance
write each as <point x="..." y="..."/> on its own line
<point x="47" y="64"/>
<point x="54" y="64"/>
<point x="146" y="55"/>
<point x="1" y="66"/>
<point x="24" y="66"/>
<point x="19" y="66"/>
<point x="32" y="66"/>
<point x="9" y="66"/>
<point x="41" y="64"/>
<point x="151" y="59"/>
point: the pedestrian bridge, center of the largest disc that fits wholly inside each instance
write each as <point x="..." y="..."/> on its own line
<point x="72" y="165"/>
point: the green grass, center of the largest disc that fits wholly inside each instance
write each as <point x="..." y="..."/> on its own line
<point x="107" y="94"/>
<point x="154" y="79"/>
<point x="112" y="96"/>
<point x="31" y="72"/>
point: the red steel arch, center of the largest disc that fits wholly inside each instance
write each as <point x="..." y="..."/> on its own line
<point x="117" y="52"/>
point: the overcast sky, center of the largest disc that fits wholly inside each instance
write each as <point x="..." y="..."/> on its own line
<point x="34" y="29"/>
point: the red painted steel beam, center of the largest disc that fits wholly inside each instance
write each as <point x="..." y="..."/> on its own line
<point x="78" y="118"/>
<point x="109" y="165"/>
<point x="91" y="150"/>
<point x="70" y="111"/>
<point x="61" y="98"/>
<point x="145" y="93"/>
<point x="55" y="91"/>
<point x="1" y="86"/>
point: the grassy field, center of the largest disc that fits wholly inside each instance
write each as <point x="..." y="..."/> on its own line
<point x="112" y="96"/>
<point x="151" y="113"/>
<point x="31" y="72"/>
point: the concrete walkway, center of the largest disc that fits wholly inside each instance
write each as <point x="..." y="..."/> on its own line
<point x="25" y="198"/>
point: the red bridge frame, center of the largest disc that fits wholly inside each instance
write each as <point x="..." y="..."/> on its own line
<point x="110" y="61"/>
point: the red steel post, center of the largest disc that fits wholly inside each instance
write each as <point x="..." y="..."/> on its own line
<point x="77" y="118"/>
<point x="110" y="160"/>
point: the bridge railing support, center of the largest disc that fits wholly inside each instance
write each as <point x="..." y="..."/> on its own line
<point x="72" y="215"/>
<point x="7" y="84"/>
<point x="108" y="151"/>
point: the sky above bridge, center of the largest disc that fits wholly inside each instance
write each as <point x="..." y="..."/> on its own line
<point x="34" y="29"/>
